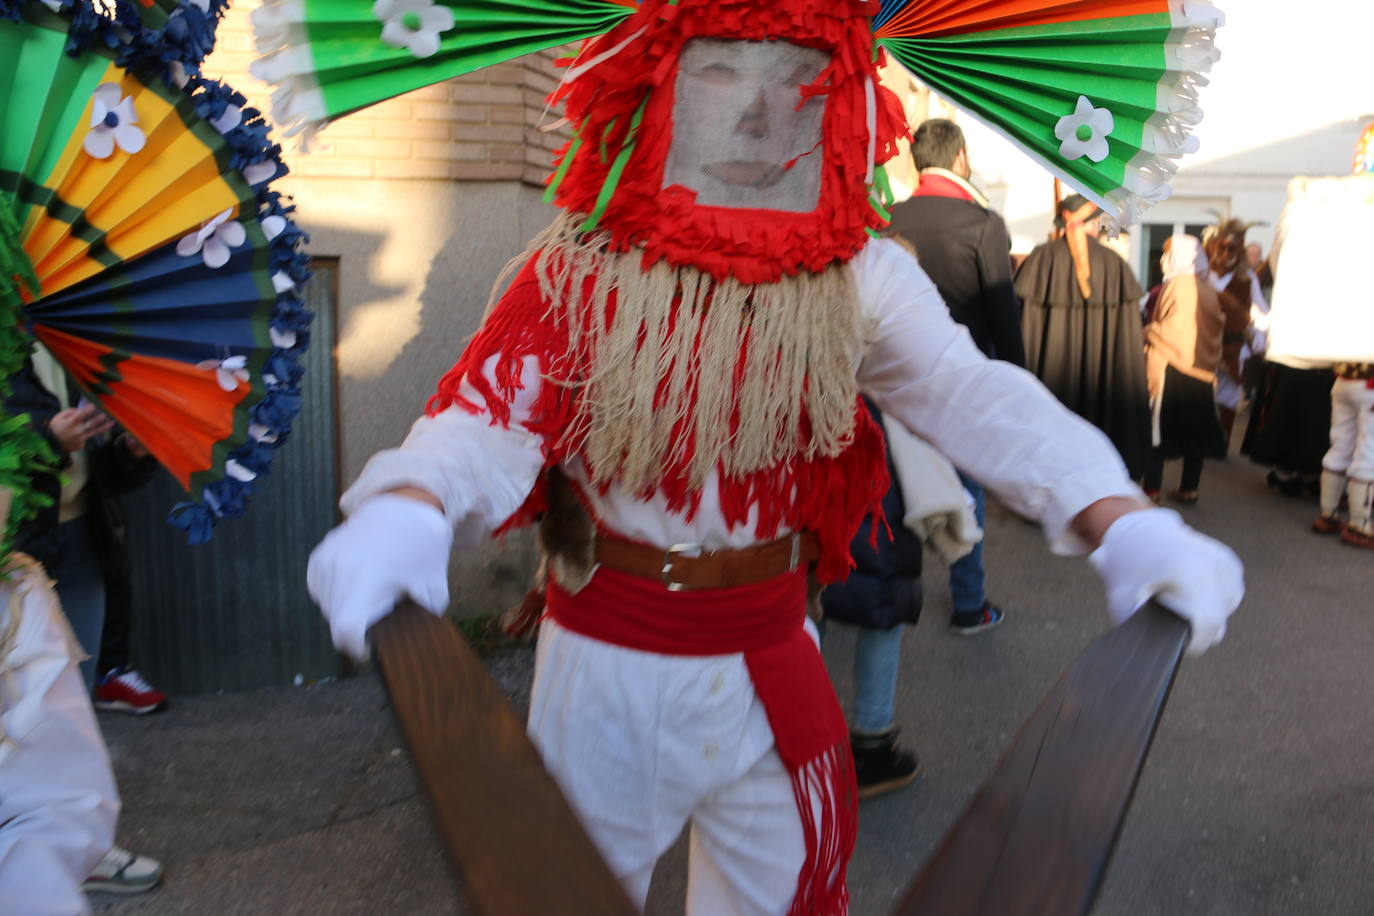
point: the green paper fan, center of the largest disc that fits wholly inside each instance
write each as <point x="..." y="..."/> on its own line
<point x="1103" y="93"/>
<point x="332" y="57"/>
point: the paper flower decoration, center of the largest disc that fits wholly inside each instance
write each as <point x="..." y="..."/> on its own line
<point x="229" y="372"/>
<point x="214" y="240"/>
<point x="113" y="121"/>
<point x="413" y="24"/>
<point x="1084" y="133"/>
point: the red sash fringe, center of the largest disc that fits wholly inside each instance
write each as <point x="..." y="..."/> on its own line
<point x="764" y="621"/>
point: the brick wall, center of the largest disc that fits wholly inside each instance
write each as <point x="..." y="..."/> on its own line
<point x="480" y="127"/>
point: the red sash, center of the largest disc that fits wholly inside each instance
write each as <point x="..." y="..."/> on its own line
<point x="764" y="621"/>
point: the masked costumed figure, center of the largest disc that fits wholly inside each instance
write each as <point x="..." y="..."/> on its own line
<point x="1245" y="308"/>
<point x="671" y="384"/>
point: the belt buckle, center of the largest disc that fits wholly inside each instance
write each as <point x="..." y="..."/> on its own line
<point x="688" y="550"/>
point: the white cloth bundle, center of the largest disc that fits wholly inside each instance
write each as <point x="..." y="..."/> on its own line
<point x="938" y="508"/>
<point x="1323" y="301"/>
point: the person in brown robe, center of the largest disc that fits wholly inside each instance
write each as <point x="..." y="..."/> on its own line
<point x="1081" y="328"/>
<point x="1183" y="348"/>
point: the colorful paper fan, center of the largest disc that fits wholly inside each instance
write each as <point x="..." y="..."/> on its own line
<point x="1364" y="151"/>
<point x="167" y="270"/>
<point x="1103" y="93"/>
<point x="331" y="57"/>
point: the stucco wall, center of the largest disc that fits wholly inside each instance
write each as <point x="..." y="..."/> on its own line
<point x="417" y="260"/>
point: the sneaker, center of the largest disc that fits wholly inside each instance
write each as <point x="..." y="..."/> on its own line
<point x="966" y="623"/>
<point x="125" y="690"/>
<point x="880" y="765"/>
<point x="122" y="872"/>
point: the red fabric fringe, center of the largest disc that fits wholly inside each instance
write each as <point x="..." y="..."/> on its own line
<point x="754" y="246"/>
<point x="828" y="496"/>
<point x="764" y="621"/>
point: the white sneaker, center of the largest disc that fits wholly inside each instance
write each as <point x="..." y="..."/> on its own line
<point x="122" y="872"/>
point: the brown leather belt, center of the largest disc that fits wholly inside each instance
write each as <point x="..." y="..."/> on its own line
<point x="684" y="567"/>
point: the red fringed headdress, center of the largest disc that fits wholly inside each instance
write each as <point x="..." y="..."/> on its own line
<point x="622" y="109"/>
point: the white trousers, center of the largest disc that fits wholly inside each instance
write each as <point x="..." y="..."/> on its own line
<point x="57" y="793"/>
<point x="643" y="744"/>
<point x="1352" y="430"/>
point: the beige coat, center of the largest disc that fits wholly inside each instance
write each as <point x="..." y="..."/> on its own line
<point x="1185" y="333"/>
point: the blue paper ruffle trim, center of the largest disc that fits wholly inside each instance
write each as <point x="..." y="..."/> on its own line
<point x="254" y="154"/>
<point x="181" y="43"/>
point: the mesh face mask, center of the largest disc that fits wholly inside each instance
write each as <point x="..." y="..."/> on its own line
<point x="743" y="134"/>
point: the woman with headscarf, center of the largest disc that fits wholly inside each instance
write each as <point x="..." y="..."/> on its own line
<point x="1183" y="344"/>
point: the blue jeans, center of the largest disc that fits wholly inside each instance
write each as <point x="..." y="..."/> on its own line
<point x="81" y="589"/>
<point x="966" y="573"/>
<point x="877" y="656"/>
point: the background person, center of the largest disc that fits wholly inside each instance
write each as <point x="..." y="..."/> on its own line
<point x="964" y="248"/>
<point x="1082" y="330"/>
<point x="1182" y="352"/>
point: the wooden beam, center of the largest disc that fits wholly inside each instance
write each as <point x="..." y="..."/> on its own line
<point x="1037" y="838"/>
<point x="508" y="830"/>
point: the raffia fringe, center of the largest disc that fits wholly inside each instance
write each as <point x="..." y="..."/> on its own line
<point x="698" y="373"/>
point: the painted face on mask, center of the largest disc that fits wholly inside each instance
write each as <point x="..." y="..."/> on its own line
<point x="1227" y="252"/>
<point x="739" y="119"/>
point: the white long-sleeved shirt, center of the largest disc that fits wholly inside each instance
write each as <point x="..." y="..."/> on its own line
<point x="992" y="419"/>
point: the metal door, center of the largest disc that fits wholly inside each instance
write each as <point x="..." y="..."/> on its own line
<point x="234" y="614"/>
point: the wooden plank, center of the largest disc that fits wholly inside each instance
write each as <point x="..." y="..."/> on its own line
<point x="1036" y="839"/>
<point x="508" y="829"/>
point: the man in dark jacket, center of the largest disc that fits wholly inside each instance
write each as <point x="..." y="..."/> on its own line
<point x="965" y="249"/>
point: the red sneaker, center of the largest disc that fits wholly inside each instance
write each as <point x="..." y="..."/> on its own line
<point x="125" y="690"/>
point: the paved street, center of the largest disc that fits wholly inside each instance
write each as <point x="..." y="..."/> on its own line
<point x="1257" y="799"/>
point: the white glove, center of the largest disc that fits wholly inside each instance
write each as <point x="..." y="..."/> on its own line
<point x="390" y="547"/>
<point x="1153" y="554"/>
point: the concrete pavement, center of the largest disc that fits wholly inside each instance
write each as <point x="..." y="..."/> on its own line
<point x="1257" y="798"/>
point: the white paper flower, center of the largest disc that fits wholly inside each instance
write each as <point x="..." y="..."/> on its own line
<point x="112" y="123"/>
<point x="1084" y="133"/>
<point x="412" y="24"/>
<point x="229" y="372"/>
<point x="213" y="240"/>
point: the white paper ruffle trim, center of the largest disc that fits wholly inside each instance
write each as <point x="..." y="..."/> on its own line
<point x="284" y="61"/>
<point x="1191" y="52"/>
